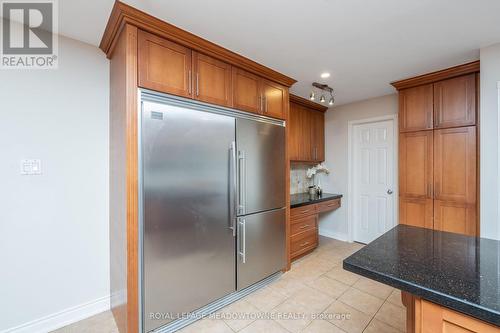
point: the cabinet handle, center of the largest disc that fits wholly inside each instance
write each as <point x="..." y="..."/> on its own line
<point x="265" y="104"/>
<point x="305" y="211"/>
<point x="436" y="191"/>
<point x="304" y="244"/>
<point x="197" y="84"/>
<point x="429" y="119"/>
<point x="189" y="82"/>
<point x="304" y="226"/>
<point x="429" y="191"/>
<point x="261" y="106"/>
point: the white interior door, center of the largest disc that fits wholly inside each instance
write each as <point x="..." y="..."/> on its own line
<point x="374" y="179"/>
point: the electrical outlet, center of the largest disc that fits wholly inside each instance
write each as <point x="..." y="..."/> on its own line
<point x="31" y="167"/>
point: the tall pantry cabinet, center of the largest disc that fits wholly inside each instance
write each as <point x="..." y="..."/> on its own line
<point x="438" y="171"/>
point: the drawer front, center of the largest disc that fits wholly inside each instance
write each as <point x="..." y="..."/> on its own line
<point x="303" y="242"/>
<point x="303" y="224"/>
<point x="328" y="205"/>
<point x="302" y="211"/>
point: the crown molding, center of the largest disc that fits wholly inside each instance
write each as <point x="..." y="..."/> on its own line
<point x="124" y="14"/>
<point x="468" y="68"/>
<point x="307" y="103"/>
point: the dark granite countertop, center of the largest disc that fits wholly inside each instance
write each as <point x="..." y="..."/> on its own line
<point x="456" y="271"/>
<point x="302" y="199"/>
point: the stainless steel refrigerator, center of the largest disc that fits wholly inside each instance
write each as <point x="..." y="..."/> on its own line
<point x="213" y="204"/>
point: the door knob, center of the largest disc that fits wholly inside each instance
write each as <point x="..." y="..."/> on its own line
<point x="389" y="191"/>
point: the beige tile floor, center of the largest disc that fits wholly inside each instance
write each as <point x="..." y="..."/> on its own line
<point x="316" y="292"/>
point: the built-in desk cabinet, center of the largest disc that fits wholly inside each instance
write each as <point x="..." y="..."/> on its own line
<point x="304" y="226"/>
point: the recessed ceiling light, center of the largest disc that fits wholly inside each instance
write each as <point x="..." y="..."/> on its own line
<point x="325" y="75"/>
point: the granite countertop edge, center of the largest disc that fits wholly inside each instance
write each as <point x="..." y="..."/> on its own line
<point x="324" y="197"/>
<point x="474" y="310"/>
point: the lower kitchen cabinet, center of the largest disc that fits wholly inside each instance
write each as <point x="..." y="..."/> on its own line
<point x="426" y="317"/>
<point x="304" y="226"/>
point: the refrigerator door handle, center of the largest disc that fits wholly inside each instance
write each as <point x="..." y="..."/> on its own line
<point x="233" y="203"/>
<point x="242" y="240"/>
<point x="242" y="182"/>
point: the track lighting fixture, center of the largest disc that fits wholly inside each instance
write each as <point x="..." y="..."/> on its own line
<point x="324" y="88"/>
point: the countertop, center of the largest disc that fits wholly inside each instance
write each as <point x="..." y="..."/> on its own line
<point x="456" y="271"/>
<point x="302" y="199"/>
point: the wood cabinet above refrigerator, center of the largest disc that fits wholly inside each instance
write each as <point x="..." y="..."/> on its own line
<point x="307" y="131"/>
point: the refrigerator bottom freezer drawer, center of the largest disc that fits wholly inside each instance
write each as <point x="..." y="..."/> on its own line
<point x="261" y="246"/>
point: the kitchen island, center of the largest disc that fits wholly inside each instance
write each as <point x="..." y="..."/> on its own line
<point x="450" y="282"/>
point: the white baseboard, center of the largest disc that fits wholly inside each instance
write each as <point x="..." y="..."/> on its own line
<point x="63" y="318"/>
<point x="335" y="235"/>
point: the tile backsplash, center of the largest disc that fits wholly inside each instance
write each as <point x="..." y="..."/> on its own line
<point x="299" y="183"/>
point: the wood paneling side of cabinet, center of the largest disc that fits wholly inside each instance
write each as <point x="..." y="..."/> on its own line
<point x="246" y="91"/>
<point x="275" y="99"/>
<point x="212" y="80"/>
<point x="416" y="109"/>
<point x="123" y="196"/>
<point x="417" y="212"/>
<point x="416" y="164"/>
<point x="455" y="102"/>
<point x="164" y="66"/>
<point x="455" y="164"/>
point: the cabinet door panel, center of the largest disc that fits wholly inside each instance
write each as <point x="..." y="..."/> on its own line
<point x="294" y="132"/>
<point x="417" y="212"/>
<point x="455" y="217"/>
<point x="275" y="99"/>
<point x="455" y="164"/>
<point x="415" y="164"/>
<point x="164" y="66"/>
<point x="318" y="135"/>
<point x="415" y="108"/>
<point x="455" y="102"/>
<point x="306" y="149"/>
<point x="212" y="80"/>
<point x="246" y="91"/>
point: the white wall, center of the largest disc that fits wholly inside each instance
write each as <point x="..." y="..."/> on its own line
<point x="334" y="224"/>
<point x="54" y="246"/>
<point x="489" y="143"/>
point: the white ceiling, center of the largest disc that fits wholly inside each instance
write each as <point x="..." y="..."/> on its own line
<point x="365" y="44"/>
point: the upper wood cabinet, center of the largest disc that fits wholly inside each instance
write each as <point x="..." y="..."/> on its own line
<point x="455" y="102"/>
<point x="318" y="135"/>
<point x="415" y="108"/>
<point x="246" y="91"/>
<point x="307" y="130"/>
<point x="455" y="164"/>
<point x="255" y="94"/>
<point x="164" y="66"/>
<point x="174" y="69"/>
<point x="275" y="99"/>
<point x="416" y="164"/>
<point x="212" y="80"/>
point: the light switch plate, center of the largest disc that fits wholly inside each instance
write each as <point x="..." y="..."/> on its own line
<point x="31" y="167"/>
